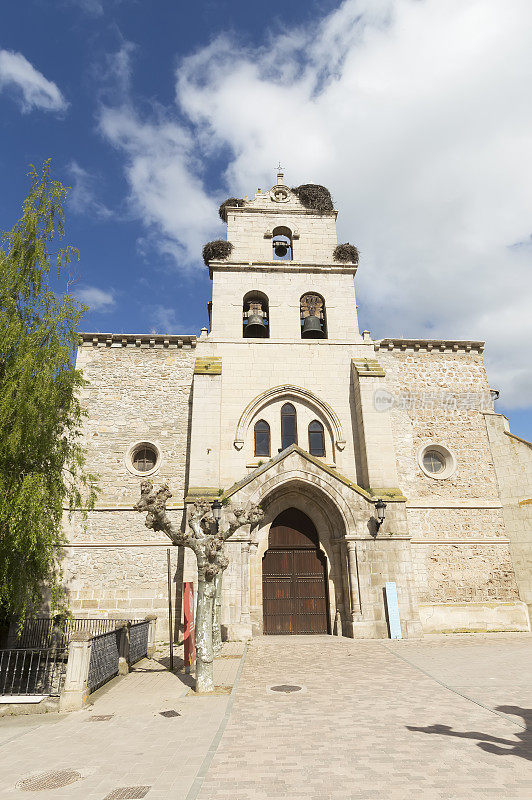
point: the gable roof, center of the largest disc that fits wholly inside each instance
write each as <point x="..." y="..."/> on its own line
<point x="392" y="495"/>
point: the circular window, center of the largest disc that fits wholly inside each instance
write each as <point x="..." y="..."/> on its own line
<point x="433" y="461"/>
<point x="436" y="461"/>
<point x="143" y="458"/>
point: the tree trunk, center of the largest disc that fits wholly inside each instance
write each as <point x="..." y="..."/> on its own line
<point x="204" y="652"/>
<point x="217" y="613"/>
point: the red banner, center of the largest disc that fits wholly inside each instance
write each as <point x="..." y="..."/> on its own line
<point x="188" y="616"/>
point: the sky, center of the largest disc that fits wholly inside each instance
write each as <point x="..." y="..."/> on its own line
<point x="416" y="114"/>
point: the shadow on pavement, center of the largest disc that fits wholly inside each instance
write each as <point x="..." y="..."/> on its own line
<point x="162" y="664"/>
<point x="491" y="744"/>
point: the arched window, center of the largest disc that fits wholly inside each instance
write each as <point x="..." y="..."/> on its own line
<point x="255" y="316"/>
<point x="313" y="321"/>
<point x="288" y="425"/>
<point x="262" y="438"/>
<point x="282" y="244"/>
<point x="316" y="439"/>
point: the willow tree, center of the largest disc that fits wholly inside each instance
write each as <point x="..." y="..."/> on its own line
<point x="206" y="537"/>
<point x="41" y="456"/>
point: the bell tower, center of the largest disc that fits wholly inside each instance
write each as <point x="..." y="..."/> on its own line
<point x="281" y="275"/>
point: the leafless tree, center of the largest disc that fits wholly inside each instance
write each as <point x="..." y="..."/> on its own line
<point x="206" y="538"/>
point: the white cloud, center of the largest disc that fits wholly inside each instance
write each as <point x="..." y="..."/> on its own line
<point x="95" y="298"/>
<point x="82" y="195"/>
<point x="163" y="319"/>
<point x="33" y="90"/>
<point x="162" y="173"/>
<point x="416" y="115"/>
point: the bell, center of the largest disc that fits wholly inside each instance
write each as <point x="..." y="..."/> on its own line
<point x="256" y="329"/>
<point x="281" y="249"/>
<point x="312" y="328"/>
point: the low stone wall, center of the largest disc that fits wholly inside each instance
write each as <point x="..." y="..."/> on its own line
<point x="474" y="617"/>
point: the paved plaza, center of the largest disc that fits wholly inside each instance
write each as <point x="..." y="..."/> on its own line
<point x="442" y="717"/>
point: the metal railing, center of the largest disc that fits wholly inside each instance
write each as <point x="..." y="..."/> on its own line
<point x="138" y="641"/>
<point x="104" y="659"/>
<point x="39" y="632"/>
<point x="33" y="671"/>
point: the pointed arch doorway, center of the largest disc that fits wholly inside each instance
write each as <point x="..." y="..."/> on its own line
<point x="294" y="577"/>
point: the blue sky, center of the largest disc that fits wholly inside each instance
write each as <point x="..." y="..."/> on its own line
<point x="415" y="113"/>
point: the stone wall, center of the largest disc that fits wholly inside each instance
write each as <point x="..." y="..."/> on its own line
<point x="135" y="392"/>
<point x="513" y="464"/>
<point x="425" y="384"/>
<point x="464" y="573"/>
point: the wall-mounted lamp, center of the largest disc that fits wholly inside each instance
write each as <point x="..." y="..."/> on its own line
<point x="494" y="394"/>
<point x="217" y="512"/>
<point x="380" y="508"/>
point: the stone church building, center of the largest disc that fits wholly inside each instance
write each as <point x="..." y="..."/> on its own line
<point x="283" y="402"/>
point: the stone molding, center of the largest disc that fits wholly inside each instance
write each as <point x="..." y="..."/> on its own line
<point x="282" y="266"/>
<point x="297" y="392"/>
<point x="159" y="340"/>
<point x="122" y="507"/>
<point x="459" y="502"/>
<point x="518" y="438"/>
<point x="281" y="210"/>
<point x="443" y="345"/>
<point x="503" y="540"/>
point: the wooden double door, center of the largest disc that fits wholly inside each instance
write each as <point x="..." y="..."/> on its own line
<point x="294" y="578"/>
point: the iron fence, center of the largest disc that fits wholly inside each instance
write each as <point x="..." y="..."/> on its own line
<point x="39" y="632"/>
<point x="138" y="641"/>
<point x="32" y="671"/>
<point x="104" y="659"/>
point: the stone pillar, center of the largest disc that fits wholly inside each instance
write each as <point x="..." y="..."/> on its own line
<point x="374" y="425"/>
<point x="254" y="599"/>
<point x="152" y="619"/>
<point x="245" y="615"/>
<point x="241" y="631"/>
<point x="204" y="470"/>
<point x="123" y="648"/>
<point x="340" y="590"/>
<point x="352" y="570"/>
<point x="75" y="692"/>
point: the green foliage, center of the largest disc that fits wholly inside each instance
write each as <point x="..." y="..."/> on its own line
<point x="346" y="252"/>
<point x="41" y="455"/>
<point x="216" y="251"/>
<point x="231" y="202"/>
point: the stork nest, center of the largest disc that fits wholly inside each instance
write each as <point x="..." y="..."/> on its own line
<point x="315" y="197"/>
<point x="233" y="202"/>
<point x="216" y="251"/>
<point x="346" y="252"/>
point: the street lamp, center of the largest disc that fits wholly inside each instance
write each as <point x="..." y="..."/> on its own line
<point x="217" y="512"/>
<point x="380" y="508"/>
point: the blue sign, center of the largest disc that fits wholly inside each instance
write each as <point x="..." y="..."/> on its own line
<point x="393" y="610"/>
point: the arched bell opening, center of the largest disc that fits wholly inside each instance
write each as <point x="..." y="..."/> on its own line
<point x="282" y="243"/>
<point x="255" y="315"/>
<point x="295" y="597"/>
<point x="313" y="317"/>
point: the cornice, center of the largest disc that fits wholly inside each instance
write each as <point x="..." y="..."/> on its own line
<point x="279" y="209"/>
<point x="333" y="267"/>
<point x="162" y="340"/>
<point x="441" y="345"/>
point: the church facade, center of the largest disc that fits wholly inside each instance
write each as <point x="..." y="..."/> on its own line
<point x="284" y="403"/>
